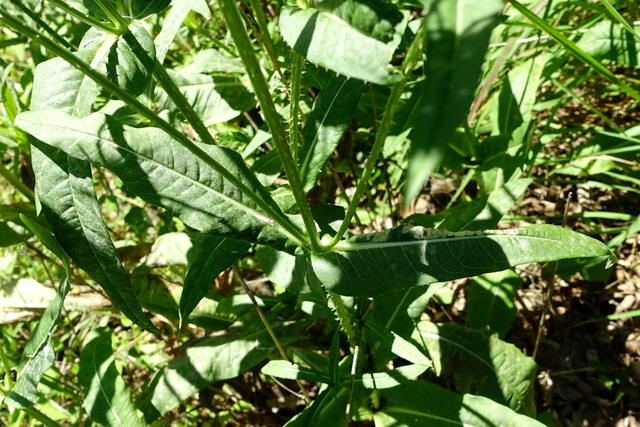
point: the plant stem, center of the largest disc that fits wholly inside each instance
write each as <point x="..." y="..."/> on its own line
<point x="40" y="22"/>
<point x="296" y="78"/>
<point x="182" y="103"/>
<point x="113" y="14"/>
<point x="284" y="224"/>
<point x="258" y="16"/>
<point x="414" y="52"/>
<point x="17" y="184"/>
<point x="239" y="34"/>
<point x="266" y="324"/>
<point x="354" y="366"/>
<point x="83" y="17"/>
<point x="7" y="369"/>
<point x="343" y="317"/>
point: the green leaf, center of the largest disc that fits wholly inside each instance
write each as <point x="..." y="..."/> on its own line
<point x="484" y="212"/>
<point x="132" y="59"/>
<point x="209" y="61"/>
<point x="389" y="379"/>
<point x="162" y="172"/>
<point x="400" y="310"/>
<point x="609" y="40"/>
<point x="65" y="188"/>
<point x="142" y="8"/>
<point x="10" y="234"/>
<point x="331" y="115"/>
<point x="68" y="199"/>
<point x="574" y="49"/>
<point x="38" y="355"/>
<point x="326" y="40"/>
<point x="458" y="37"/>
<point x="490" y="301"/>
<point x="56" y="84"/>
<point x="329" y="409"/>
<point x="404" y="257"/>
<point x="293" y="371"/>
<point x="515" y="101"/>
<point x="210" y="359"/>
<point x="291" y="272"/>
<point x="420" y="403"/>
<point x="398" y="345"/>
<point x="374" y="18"/>
<point x="215" y="255"/>
<point x="173" y="21"/>
<point x="138" y="9"/>
<point x="215" y="99"/>
<point x="368" y="381"/>
<point x="107" y="399"/>
<point x="127" y="59"/>
<point x="478" y="362"/>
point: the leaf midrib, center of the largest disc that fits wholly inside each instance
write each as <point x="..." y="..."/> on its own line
<point x="264" y="219"/>
<point x="354" y="247"/>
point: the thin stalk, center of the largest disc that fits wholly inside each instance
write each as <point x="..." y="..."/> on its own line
<point x="343" y="317"/>
<point x="283" y="223"/>
<point x="415" y="50"/>
<point x="17" y="184"/>
<point x="182" y="103"/>
<point x="41" y="23"/>
<point x="113" y="14"/>
<point x="550" y="287"/>
<point x="343" y="193"/>
<point x="258" y="16"/>
<point x="354" y="365"/>
<point x="83" y="17"/>
<point x="296" y="78"/>
<point x="7" y="369"/>
<point x="266" y="324"/>
<point x="239" y="35"/>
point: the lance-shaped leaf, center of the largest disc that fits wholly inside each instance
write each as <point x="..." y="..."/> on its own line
<point x="458" y="36"/>
<point x="65" y="188"/>
<point x="163" y="172"/>
<point x="38" y="354"/>
<point x="418" y="403"/>
<point x="64" y="184"/>
<point x="215" y="255"/>
<point x="404" y="257"/>
<point x="478" y="362"/>
<point x="331" y="114"/>
<point x="325" y="39"/>
<point x="107" y="399"/>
